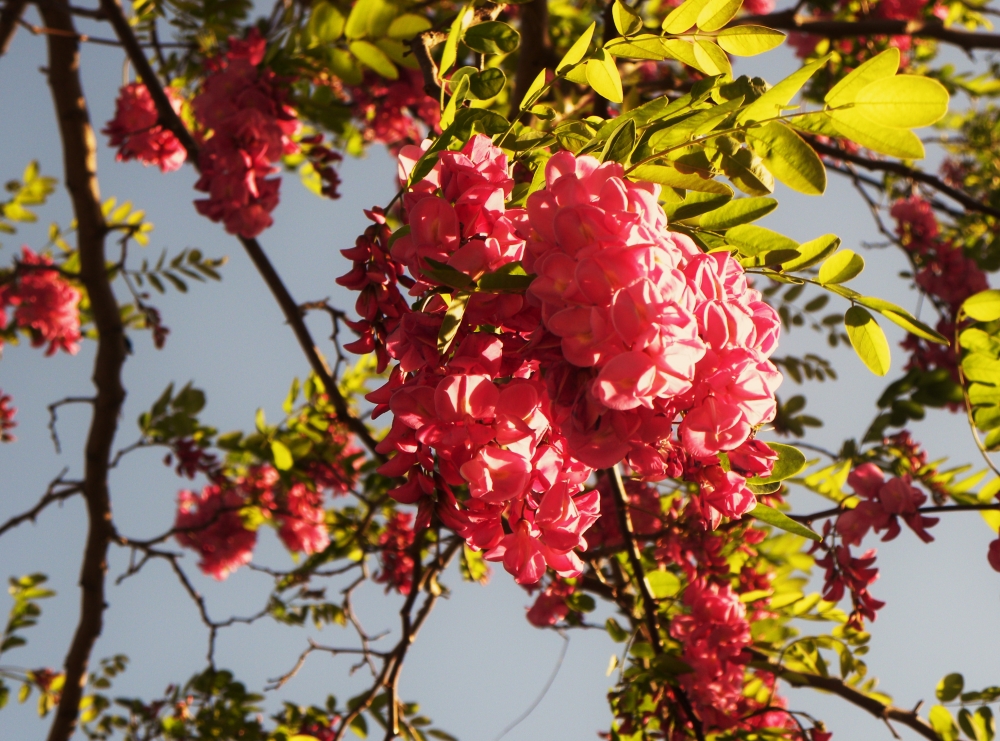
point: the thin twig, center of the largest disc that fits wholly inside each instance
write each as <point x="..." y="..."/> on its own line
<point x="52" y="415"/>
<point x="51" y="495"/>
<point x="541" y="695"/>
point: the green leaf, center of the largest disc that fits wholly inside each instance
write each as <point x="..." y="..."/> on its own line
<point x="683" y="16"/>
<point x="681" y="50"/>
<point x="357" y="21"/>
<point x="852" y="124"/>
<point x="790" y="461"/>
<point x="942" y="723"/>
<point x="752" y="240"/>
<point x="812" y="252"/>
<point x="617" y="632"/>
<point x="492" y="37"/>
<point x="771" y="103"/>
<point x="663" y="584"/>
<point x="903" y="101"/>
<point x="452" y="321"/>
<point x="746" y="171"/>
<point x="408" y="26"/>
<point x="671" y="177"/>
<point x="487" y="84"/>
<point x="620" y="144"/>
<point x="509" y="277"/>
<point x="711" y="59"/>
<point x="446" y="274"/>
<point x="868" y="340"/>
<point x="748" y="41"/>
<point x="578" y="51"/>
<point x="983" y="306"/>
<point x="782" y="521"/>
<point x="788" y="157"/>
<point x="878" y="67"/>
<point x="326" y="24"/>
<point x="949" y="687"/>
<point x="717" y="13"/>
<point x="642" y="46"/>
<point x="900" y="316"/>
<point x="533" y="90"/>
<point x="450" y="53"/>
<point x="736" y="212"/>
<point x="697" y="124"/>
<point x="841" y="267"/>
<point x="602" y="75"/>
<point x="696" y="203"/>
<point x="371" y="56"/>
<point x="627" y="21"/>
<point x="283" y="460"/>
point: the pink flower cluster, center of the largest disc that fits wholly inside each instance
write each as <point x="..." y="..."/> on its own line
<point x="247" y="127"/>
<point x="137" y="133"/>
<point x="212" y="522"/>
<point x="627" y="332"/>
<point x="397" y="562"/>
<point x="44" y="304"/>
<point x="943" y="272"/>
<point x="883" y="503"/>
<point x="7" y="422"/>
<point x="845" y="573"/>
<point x="713" y="636"/>
<point x="391" y="111"/>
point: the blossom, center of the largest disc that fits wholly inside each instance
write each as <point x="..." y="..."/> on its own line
<point x="303" y="527"/>
<point x="993" y="555"/>
<point x="883" y="502"/>
<point x="550" y="606"/>
<point x="210" y="524"/>
<point x="45" y="305"/>
<point x="391" y="111"/>
<point x="397" y="563"/>
<point x="7" y="422"/>
<point x="136" y="130"/>
<point x="247" y="126"/>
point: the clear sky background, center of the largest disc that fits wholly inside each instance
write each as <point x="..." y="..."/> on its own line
<point x="478" y="663"/>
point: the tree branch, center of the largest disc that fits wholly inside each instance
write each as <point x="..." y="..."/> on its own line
<point x="533" y="55"/>
<point x="293" y="314"/>
<point x="51" y="495"/>
<point x="897" y="168"/>
<point x="838" y="687"/>
<point x="9" y="19"/>
<point x="790" y="20"/>
<point x="80" y="161"/>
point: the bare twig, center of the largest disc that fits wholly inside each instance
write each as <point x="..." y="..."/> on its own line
<point x="790" y="20"/>
<point x="10" y="16"/>
<point x="897" y="168"/>
<point x="293" y="314"/>
<point x="541" y="695"/>
<point x="838" y="687"/>
<point x="80" y="161"/>
<point x="52" y="494"/>
<point x="935" y="509"/>
<point x="52" y="415"/>
<point x="279" y="682"/>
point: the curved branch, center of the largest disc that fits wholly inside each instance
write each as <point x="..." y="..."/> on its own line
<point x="50" y="496"/>
<point x="80" y="161"/>
<point x="879" y="709"/>
<point x="897" y="168"/>
<point x="289" y="307"/>
<point x="10" y="16"/>
<point x="790" y="20"/>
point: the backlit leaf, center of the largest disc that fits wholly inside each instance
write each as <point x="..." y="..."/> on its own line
<point x="841" y="267"/>
<point x="868" y="340"/>
<point x="283" y="460"/>
<point x="602" y="75"/>
<point x="983" y="306"/>
<point x="717" y="13"/>
<point x="578" y="51"/>
<point x="903" y="101"/>
<point x="674" y="178"/>
<point x="747" y="41"/>
<point x="492" y="37"/>
<point x="683" y="16"/>
<point x="627" y="21"/>
<point x="878" y="67"/>
<point x="788" y="157"/>
<point x="782" y="521"/>
<point x="452" y="321"/>
<point x="371" y="56"/>
<point x="739" y="211"/>
<point x="853" y="125"/>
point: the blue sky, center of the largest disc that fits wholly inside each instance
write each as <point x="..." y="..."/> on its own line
<point x="478" y="664"/>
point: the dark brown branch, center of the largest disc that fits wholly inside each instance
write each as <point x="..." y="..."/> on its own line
<point x="10" y="16"/>
<point x="279" y="682"/>
<point x="834" y="511"/>
<point x="789" y="20"/>
<point x="534" y="52"/>
<point x="80" y="161"/>
<point x="293" y="314"/>
<point x="649" y="605"/>
<point x="52" y="494"/>
<point x="838" y="687"/>
<point x="897" y="168"/>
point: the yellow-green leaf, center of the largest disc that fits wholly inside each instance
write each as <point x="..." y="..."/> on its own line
<point x="852" y="124"/>
<point x="283" y="460"/>
<point x="711" y="59"/>
<point x="371" y="56"/>
<point x="602" y="75"/>
<point x="450" y="53"/>
<point x="903" y="101"/>
<point x="788" y="157"/>
<point x="673" y="178"/>
<point x="683" y="16"/>
<point x="627" y="21"/>
<point x="663" y="584"/>
<point x="782" y="521"/>
<point x="900" y="316"/>
<point x="868" y="340"/>
<point x="717" y="13"/>
<point x="748" y="41"/>
<point x="983" y="306"/>
<point x="771" y="103"/>
<point x="407" y="26"/>
<point x="878" y="67"/>
<point x="577" y="52"/>
<point x="841" y="267"/>
<point x="812" y="252"/>
<point x="682" y="51"/>
<point x="452" y="321"/>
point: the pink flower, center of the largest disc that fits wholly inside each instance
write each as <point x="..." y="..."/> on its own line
<point x="210" y="523"/>
<point x="550" y="606"/>
<point x="993" y="555"/>
<point x="521" y="554"/>
<point x="137" y="132"/>
<point x="497" y="475"/>
<point x="885" y="501"/>
<point x="303" y="528"/>
<point x="397" y="563"/>
<point x="7" y="422"/>
<point x="44" y="304"/>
